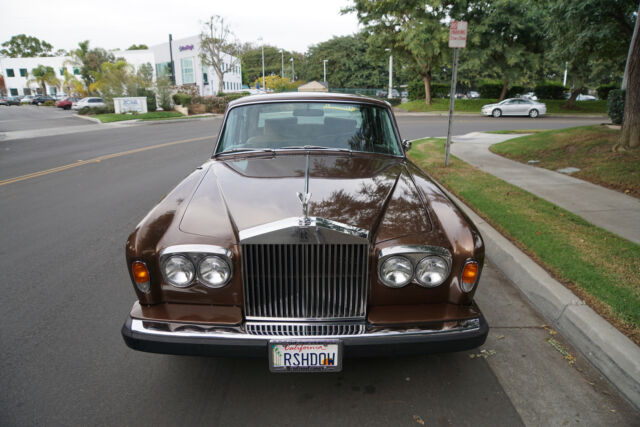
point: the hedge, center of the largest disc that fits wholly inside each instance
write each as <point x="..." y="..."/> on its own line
<point x="603" y="90"/>
<point x="550" y="90"/>
<point x="615" y="105"/>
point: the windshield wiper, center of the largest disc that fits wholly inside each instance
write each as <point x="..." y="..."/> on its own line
<point x="246" y="150"/>
<point x="313" y="147"/>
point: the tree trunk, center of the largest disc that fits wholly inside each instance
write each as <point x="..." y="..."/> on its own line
<point x="630" y="137"/>
<point x="426" y="78"/>
<point x="220" y="80"/>
<point x="571" y="102"/>
<point x="505" y="87"/>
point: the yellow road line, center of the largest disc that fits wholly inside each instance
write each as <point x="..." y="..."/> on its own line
<point x="97" y="160"/>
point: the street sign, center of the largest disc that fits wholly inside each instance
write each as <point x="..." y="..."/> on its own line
<point x="458" y="34"/>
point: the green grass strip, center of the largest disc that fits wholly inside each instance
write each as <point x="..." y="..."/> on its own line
<point x="112" y="117"/>
<point x="554" y="106"/>
<point x="600" y="264"/>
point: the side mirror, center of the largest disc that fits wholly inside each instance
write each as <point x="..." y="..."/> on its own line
<point x="406" y="145"/>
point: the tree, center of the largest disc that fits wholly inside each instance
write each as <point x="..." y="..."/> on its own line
<point x="115" y="79"/>
<point x="22" y="46"/>
<point x="89" y="61"/>
<point x="145" y="76"/>
<point x="276" y="83"/>
<point x="71" y="85"/>
<point x="138" y="47"/>
<point x="217" y="44"/>
<point x="43" y="76"/>
<point x="413" y="29"/>
<point x="630" y="137"/>
<point x="351" y="64"/>
<point x="588" y="35"/>
<point x="505" y="41"/>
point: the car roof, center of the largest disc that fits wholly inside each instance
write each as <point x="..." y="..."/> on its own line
<point x="307" y="96"/>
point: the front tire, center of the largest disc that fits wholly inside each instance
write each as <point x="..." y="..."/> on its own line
<point x="496" y="113"/>
<point x="533" y="113"/>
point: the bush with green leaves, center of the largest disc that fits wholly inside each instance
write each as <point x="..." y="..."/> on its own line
<point x="49" y="103"/>
<point x="603" y="90"/>
<point x="516" y="91"/>
<point x="615" y="105"/>
<point x="490" y="89"/>
<point x="416" y="90"/>
<point x="182" y="99"/>
<point x="95" y="110"/>
<point x="550" y="90"/>
<point x="151" y="98"/>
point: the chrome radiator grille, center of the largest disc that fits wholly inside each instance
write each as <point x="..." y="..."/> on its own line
<point x="305" y="281"/>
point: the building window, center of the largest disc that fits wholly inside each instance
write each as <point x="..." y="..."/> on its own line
<point x="26" y="91"/>
<point x="163" y="69"/>
<point x="10" y="72"/>
<point x="14" y="92"/>
<point x="187" y="71"/>
<point x="76" y="71"/>
<point x="23" y="72"/>
<point x="62" y="71"/>
<point x="205" y="77"/>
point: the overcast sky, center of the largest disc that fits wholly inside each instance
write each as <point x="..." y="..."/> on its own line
<point x="116" y="24"/>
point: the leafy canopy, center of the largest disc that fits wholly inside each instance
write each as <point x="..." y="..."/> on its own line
<point x="25" y="46"/>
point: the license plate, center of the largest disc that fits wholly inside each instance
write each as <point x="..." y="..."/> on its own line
<point x="305" y="356"/>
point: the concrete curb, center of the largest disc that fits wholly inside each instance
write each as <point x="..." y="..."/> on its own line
<point x="611" y="352"/>
<point x="91" y="119"/>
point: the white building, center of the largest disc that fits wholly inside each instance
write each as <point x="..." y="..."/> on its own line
<point x="186" y="59"/>
<point x="189" y="69"/>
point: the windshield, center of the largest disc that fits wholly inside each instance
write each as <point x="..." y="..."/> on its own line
<point x="356" y="127"/>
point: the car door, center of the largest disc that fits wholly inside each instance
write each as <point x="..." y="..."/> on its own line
<point x="509" y="108"/>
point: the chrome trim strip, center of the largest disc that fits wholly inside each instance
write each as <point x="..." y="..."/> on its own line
<point x="236" y="333"/>
<point x="199" y="249"/>
<point x="309" y="320"/>
<point x="289" y="230"/>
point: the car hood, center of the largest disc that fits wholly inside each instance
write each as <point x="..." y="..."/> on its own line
<point x="489" y="105"/>
<point x="370" y="192"/>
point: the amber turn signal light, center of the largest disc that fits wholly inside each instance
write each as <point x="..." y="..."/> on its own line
<point x="469" y="275"/>
<point x="141" y="276"/>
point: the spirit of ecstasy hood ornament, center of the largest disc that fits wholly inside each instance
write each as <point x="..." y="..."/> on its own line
<point x="304" y="198"/>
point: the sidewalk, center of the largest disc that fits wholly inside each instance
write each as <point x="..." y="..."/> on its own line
<point x="608" y="209"/>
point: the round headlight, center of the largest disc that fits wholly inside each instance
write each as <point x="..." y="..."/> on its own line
<point x="432" y="271"/>
<point x="179" y="271"/>
<point x="214" y="271"/>
<point x="396" y="271"/>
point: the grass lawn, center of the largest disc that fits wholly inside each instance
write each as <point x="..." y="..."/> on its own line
<point x="588" y="148"/>
<point x="554" y="106"/>
<point x="112" y="117"/>
<point x="599" y="266"/>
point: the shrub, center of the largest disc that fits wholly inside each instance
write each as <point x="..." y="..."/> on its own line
<point x="49" y="104"/>
<point x="95" y="110"/>
<point x="515" y="91"/>
<point x="550" y="90"/>
<point x="603" y="90"/>
<point x="490" y="88"/>
<point x="182" y="99"/>
<point x="416" y="90"/>
<point x="615" y="105"/>
<point x="151" y="98"/>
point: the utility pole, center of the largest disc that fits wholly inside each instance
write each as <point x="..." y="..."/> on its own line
<point x="566" y="68"/>
<point x="282" y="71"/>
<point x="173" y="74"/>
<point x="264" y="86"/>
<point x="324" y="67"/>
<point x="293" y="74"/>
<point x="457" y="40"/>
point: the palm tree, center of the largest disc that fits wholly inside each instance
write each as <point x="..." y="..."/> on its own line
<point x="43" y="76"/>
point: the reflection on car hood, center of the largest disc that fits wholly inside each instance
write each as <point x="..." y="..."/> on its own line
<point x="370" y="192"/>
<point x="489" y="105"/>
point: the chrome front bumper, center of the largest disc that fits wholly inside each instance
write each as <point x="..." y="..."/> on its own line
<point x="193" y="339"/>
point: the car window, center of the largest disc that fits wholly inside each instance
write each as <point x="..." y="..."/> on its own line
<point x="351" y="126"/>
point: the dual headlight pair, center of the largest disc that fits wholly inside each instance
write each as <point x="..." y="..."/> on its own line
<point x="183" y="265"/>
<point x="428" y="266"/>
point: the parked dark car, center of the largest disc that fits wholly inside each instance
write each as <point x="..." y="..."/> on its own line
<point x="41" y="99"/>
<point x="308" y="236"/>
<point x="9" y="100"/>
<point x="66" y="103"/>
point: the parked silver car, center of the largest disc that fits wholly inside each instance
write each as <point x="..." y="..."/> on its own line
<point x="515" y="107"/>
<point x="92" y="102"/>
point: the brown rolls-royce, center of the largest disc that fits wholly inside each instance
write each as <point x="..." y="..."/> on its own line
<point x="308" y="236"/>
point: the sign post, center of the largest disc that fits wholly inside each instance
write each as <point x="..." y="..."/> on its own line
<point x="457" y="40"/>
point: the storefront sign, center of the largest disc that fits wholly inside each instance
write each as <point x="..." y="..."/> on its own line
<point x="185" y="47"/>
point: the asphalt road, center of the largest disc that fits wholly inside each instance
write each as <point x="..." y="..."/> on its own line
<point x="66" y="293"/>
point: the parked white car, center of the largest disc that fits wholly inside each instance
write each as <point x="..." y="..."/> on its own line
<point x="582" y="97"/>
<point x="88" y="102"/>
<point x="515" y="107"/>
<point x="27" y="99"/>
